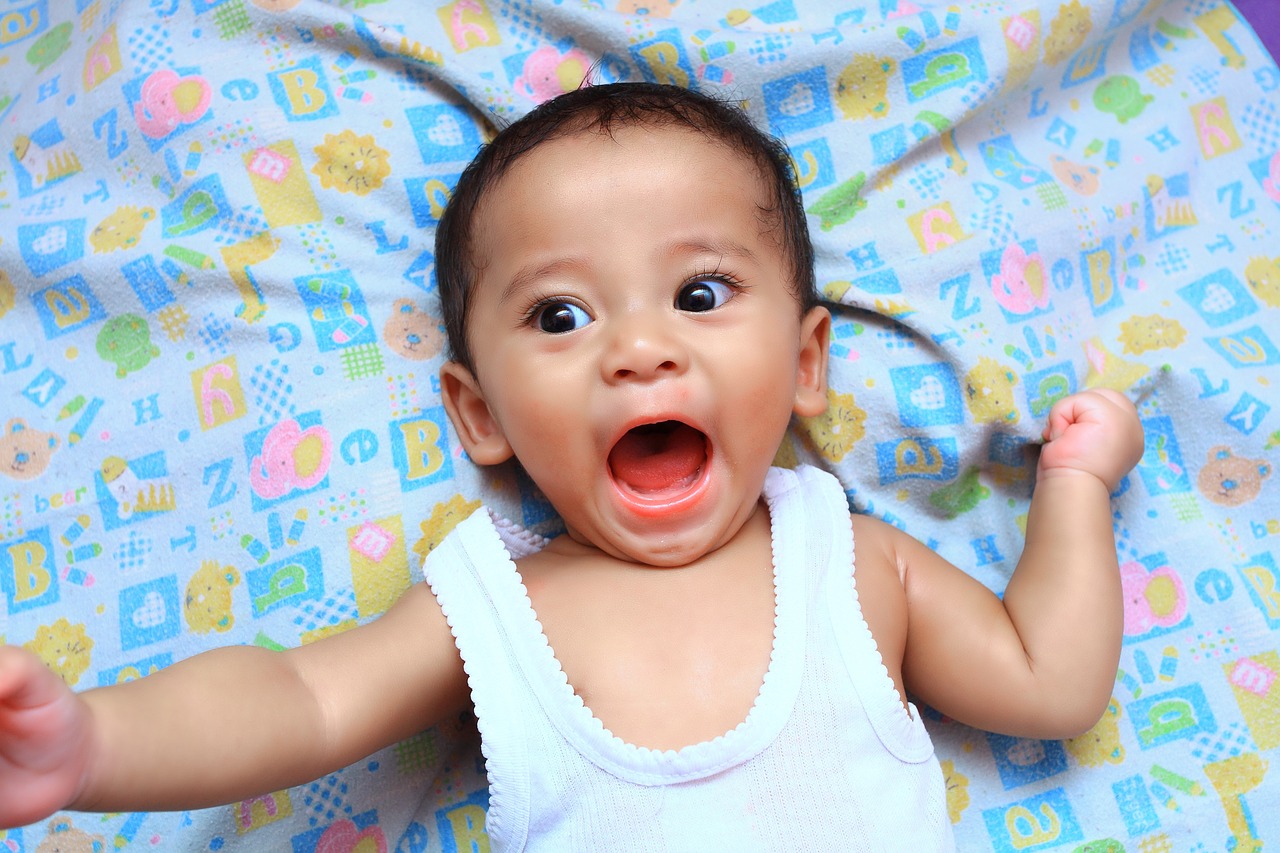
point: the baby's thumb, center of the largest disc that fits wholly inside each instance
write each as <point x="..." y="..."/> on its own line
<point x="25" y="682"/>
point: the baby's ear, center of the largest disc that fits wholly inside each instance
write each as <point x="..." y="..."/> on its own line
<point x="811" y="365"/>
<point x="477" y="429"/>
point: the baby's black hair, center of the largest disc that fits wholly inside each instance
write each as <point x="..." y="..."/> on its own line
<point x="606" y="109"/>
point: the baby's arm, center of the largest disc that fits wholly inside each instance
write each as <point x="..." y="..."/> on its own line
<point x="1042" y="662"/>
<point x="225" y="725"/>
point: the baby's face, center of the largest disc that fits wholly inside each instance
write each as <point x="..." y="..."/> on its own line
<point x="637" y="345"/>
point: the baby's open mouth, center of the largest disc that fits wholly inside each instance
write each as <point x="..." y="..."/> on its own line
<point x="660" y="458"/>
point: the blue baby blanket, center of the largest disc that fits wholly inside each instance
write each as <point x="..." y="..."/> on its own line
<point x="219" y="340"/>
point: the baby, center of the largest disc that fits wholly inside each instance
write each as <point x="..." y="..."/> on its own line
<point x="695" y="663"/>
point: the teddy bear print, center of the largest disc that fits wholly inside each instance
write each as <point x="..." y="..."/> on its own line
<point x="64" y="837"/>
<point x="1231" y="480"/>
<point x="208" y="602"/>
<point x="989" y="392"/>
<point x="1080" y="177"/>
<point x="412" y="333"/>
<point x="862" y="89"/>
<point x="122" y="229"/>
<point x="25" y="452"/>
<point x="1101" y="744"/>
<point x="1263" y="275"/>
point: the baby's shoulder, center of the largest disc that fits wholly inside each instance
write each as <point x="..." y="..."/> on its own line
<point x="882" y="598"/>
<point x="878" y="571"/>
<point x="875" y="544"/>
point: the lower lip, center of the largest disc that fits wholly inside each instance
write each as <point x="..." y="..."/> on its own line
<point x="658" y="506"/>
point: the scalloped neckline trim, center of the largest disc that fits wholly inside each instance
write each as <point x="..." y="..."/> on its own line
<point x="769" y="711"/>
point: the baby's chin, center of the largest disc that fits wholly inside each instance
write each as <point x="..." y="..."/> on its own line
<point x="671" y="553"/>
<point x="653" y="542"/>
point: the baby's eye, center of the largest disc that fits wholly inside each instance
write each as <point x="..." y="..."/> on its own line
<point x="556" y="318"/>
<point x="703" y="295"/>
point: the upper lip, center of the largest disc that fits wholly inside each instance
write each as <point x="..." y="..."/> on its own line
<point x="650" y="420"/>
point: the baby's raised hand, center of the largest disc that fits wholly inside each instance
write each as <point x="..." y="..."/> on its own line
<point x="44" y="739"/>
<point x="1095" y="432"/>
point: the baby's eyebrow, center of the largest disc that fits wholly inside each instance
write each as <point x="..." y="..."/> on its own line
<point x="526" y="276"/>
<point x="724" y="247"/>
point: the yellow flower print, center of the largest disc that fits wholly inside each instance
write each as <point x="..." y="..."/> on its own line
<point x="835" y="431"/>
<point x="444" y="517"/>
<point x="350" y="163"/>
<point x="8" y="293"/>
<point x="786" y="456"/>
<point x="63" y="647"/>
<point x="957" y="790"/>
<point x="1151" y="332"/>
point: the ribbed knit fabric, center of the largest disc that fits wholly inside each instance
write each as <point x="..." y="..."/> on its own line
<point x="827" y="758"/>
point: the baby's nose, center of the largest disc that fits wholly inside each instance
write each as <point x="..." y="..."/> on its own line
<point x="643" y="349"/>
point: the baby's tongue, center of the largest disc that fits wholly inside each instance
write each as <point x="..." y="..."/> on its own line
<point x="657" y="457"/>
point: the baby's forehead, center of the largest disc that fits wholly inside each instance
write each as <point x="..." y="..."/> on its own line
<point x="539" y="168"/>
<point x="637" y="137"/>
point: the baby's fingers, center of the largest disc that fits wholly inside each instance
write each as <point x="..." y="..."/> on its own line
<point x="43" y="739"/>
<point x="1064" y="413"/>
<point x="1097" y="405"/>
<point x="25" y="682"/>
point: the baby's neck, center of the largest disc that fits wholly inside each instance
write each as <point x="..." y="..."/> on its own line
<point x="664" y="657"/>
<point x="571" y="547"/>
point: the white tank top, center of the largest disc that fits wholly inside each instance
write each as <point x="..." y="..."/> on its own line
<point x="827" y="759"/>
